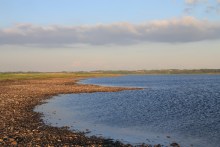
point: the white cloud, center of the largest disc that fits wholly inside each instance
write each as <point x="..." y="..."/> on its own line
<point x="194" y="1"/>
<point x="207" y="6"/>
<point x="186" y="29"/>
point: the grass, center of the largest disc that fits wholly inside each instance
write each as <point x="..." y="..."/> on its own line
<point x="23" y="76"/>
<point x="39" y="75"/>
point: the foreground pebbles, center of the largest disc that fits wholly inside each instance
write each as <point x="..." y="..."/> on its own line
<point x="21" y="126"/>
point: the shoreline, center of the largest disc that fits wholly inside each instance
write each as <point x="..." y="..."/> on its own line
<point x="20" y="125"/>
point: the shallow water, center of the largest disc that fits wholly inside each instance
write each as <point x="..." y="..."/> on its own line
<point x="181" y="108"/>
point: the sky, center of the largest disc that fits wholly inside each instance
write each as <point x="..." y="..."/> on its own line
<point x="87" y="35"/>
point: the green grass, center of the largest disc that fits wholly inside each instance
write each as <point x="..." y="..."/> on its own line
<point x="23" y="76"/>
<point x="39" y="75"/>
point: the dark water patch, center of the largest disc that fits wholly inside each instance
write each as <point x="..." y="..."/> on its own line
<point x="182" y="108"/>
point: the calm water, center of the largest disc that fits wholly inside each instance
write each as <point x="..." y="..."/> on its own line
<point x="181" y="108"/>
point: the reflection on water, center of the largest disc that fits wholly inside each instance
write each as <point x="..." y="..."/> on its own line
<point x="182" y="108"/>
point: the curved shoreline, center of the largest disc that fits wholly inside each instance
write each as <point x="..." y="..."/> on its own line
<point x="20" y="125"/>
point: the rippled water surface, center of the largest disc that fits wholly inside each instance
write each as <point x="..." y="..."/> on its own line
<point x="181" y="108"/>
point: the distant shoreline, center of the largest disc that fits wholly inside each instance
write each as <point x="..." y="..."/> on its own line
<point x="124" y="72"/>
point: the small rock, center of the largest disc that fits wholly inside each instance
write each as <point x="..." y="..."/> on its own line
<point x="5" y="138"/>
<point x="174" y="144"/>
<point x="14" y="143"/>
<point x="11" y="139"/>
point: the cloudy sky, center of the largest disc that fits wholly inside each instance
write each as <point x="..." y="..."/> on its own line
<point x="71" y="35"/>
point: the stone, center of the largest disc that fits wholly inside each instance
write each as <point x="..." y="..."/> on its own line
<point x="14" y="143"/>
<point x="174" y="144"/>
<point x="11" y="139"/>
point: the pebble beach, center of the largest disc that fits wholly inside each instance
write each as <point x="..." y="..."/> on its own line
<point x="21" y="126"/>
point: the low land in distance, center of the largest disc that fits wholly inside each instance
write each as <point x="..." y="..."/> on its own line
<point x="100" y="73"/>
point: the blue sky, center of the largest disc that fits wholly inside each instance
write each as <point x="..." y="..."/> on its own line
<point x="70" y="12"/>
<point x="108" y="35"/>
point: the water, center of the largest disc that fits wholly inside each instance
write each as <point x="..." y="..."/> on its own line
<point x="180" y="108"/>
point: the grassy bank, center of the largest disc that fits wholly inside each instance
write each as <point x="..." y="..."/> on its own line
<point x="36" y="75"/>
<point x="39" y="75"/>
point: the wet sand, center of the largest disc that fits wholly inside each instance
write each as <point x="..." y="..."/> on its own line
<point x="21" y="126"/>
